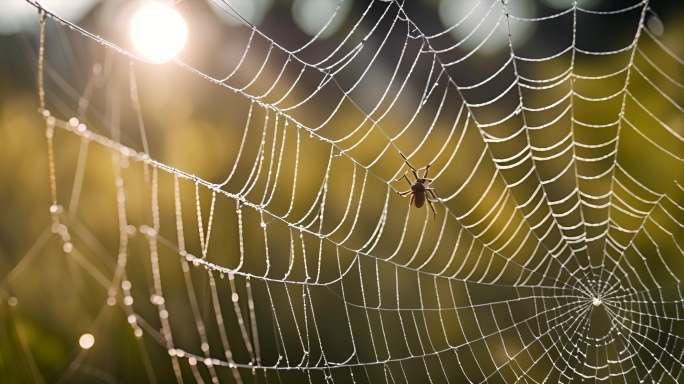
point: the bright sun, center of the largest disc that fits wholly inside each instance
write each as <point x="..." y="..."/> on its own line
<point x="158" y="32"/>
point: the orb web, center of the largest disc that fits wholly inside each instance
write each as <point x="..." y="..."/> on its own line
<point x="553" y="256"/>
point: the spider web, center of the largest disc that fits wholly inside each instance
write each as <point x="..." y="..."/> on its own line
<point x="553" y="257"/>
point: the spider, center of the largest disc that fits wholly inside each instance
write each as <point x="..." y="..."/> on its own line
<point x="421" y="190"/>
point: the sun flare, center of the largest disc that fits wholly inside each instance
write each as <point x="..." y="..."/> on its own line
<point x="158" y="32"/>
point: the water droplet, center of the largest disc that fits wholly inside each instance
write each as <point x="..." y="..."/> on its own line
<point x="130" y="229"/>
<point x="655" y="25"/>
<point x="86" y="341"/>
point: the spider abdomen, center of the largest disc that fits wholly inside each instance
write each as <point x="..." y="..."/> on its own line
<point x="419" y="198"/>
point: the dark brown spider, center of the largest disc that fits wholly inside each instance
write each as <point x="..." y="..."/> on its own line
<point x="421" y="190"/>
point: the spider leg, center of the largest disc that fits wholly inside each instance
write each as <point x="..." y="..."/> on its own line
<point x="407" y="180"/>
<point x="427" y="169"/>
<point x="411" y="201"/>
<point x="415" y="174"/>
<point x="434" y="213"/>
<point x="432" y="191"/>
<point x="404" y="193"/>
<point x="404" y="177"/>
<point x="407" y="163"/>
<point x="400" y="177"/>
